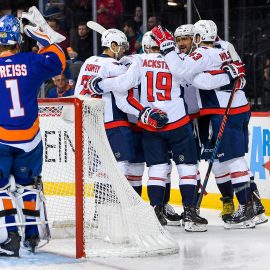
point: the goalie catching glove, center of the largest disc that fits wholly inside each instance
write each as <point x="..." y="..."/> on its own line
<point x="235" y="70"/>
<point x="164" y="39"/>
<point x="153" y="117"/>
<point x="38" y="29"/>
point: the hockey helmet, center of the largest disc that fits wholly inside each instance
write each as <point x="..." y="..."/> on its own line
<point x="9" y="30"/>
<point x="184" y="30"/>
<point x="206" y="29"/>
<point x="148" y="42"/>
<point x="114" y="35"/>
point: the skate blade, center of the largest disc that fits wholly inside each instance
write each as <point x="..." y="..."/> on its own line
<point x="243" y="225"/>
<point x="7" y="253"/>
<point x="173" y="223"/>
<point x="260" y="219"/>
<point x="193" y="227"/>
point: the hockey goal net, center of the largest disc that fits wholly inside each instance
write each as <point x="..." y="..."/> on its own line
<point x="87" y="197"/>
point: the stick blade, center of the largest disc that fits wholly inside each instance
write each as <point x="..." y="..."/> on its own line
<point x="96" y="27"/>
<point x="233" y="53"/>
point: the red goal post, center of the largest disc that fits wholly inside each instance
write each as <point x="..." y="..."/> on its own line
<point x="78" y="105"/>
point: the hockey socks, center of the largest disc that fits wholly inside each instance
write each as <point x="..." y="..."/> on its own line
<point x="156" y="195"/>
<point x="188" y="193"/>
<point x="226" y="189"/>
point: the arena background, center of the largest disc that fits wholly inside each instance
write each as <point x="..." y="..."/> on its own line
<point x="245" y="23"/>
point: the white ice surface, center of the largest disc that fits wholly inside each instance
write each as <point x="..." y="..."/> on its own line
<point x="215" y="249"/>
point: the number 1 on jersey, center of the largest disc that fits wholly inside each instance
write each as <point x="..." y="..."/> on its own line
<point x="15" y="98"/>
<point x="163" y="83"/>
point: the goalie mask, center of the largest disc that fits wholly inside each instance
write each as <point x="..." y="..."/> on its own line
<point x="114" y="35"/>
<point x="206" y="30"/>
<point x="148" y="42"/>
<point x="9" y="30"/>
<point x="184" y="31"/>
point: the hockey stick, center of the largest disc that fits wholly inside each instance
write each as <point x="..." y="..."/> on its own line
<point x="219" y="137"/>
<point x="96" y="27"/>
<point x="197" y="11"/>
<point x="235" y="57"/>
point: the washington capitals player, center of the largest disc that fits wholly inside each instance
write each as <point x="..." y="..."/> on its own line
<point x="21" y="75"/>
<point x="114" y="43"/>
<point x="160" y="90"/>
<point x="234" y="142"/>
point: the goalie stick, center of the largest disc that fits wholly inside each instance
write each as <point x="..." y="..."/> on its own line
<point x="96" y="27"/>
<point x="235" y="57"/>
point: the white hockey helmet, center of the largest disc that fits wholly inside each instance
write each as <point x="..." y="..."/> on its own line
<point x="206" y="29"/>
<point x="148" y="42"/>
<point x="184" y="30"/>
<point x="114" y="35"/>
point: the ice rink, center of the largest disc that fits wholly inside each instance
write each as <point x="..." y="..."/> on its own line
<point x="215" y="249"/>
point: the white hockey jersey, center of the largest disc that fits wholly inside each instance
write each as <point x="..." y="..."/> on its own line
<point x="104" y="66"/>
<point x="158" y="89"/>
<point x="207" y="59"/>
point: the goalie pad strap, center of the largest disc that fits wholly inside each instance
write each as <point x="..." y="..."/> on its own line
<point x="8" y="212"/>
<point x="32" y="213"/>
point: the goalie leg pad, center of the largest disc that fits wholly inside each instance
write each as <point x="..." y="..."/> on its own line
<point x="31" y="204"/>
<point x="9" y="220"/>
<point x="8" y="215"/>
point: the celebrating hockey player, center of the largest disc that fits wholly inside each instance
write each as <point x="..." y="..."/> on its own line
<point x="230" y="162"/>
<point x="22" y="213"/>
<point x="160" y="90"/>
<point x="114" y="44"/>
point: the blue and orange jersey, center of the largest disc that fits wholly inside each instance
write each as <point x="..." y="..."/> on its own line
<point x="21" y="76"/>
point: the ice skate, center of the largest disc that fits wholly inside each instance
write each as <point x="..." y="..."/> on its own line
<point x="259" y="210"/>
<point x="192" y="221"/>
<point x="11" y="247"/>
<point x="30" y="243"/>
<point x="173" y="219"/>
<point x="159" y="213"/>
<point x="242" y="218"/>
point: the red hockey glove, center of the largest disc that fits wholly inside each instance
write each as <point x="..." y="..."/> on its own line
<point x="153" y="117"/>
<point x="241" y="84"/>
<point x="235" y="70"/>
<point x="164" y="39"/>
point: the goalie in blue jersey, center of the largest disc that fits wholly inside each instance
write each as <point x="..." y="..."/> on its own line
<point x="22" y="209"/>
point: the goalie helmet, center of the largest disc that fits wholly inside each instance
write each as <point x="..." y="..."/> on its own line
<point x="206" y="29"/>
<point x="9" y="30"/>
<point x="114" y="35"/>
<point x="148" y="42"/>
<point x="184" y="30"/>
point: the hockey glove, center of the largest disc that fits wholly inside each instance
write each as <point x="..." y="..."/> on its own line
<point x="164" y="39"/>
<point x="126" y="60"/>
<point x="235" y="70"/>
<point x="38" y="29"/>
<point x="93" y="85"/>
<point x="241" y="84"/>
<point x="153" y="117"/>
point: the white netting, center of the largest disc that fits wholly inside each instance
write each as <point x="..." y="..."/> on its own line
<point x="117" y="222"/>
